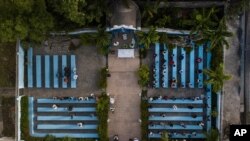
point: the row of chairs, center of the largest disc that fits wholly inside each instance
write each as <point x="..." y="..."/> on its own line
<point x="49" y="65"/>
<point x="62" y="121"/>
<point x="176" y="119"/>
<point x="182" y="70"/>
<point x="209" y="94"/>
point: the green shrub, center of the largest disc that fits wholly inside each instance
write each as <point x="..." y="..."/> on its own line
<point x="102" y="113"/>
<point x="103" y="78"/>
<point x="144" y="117"/>
<point x="143" y="73"/>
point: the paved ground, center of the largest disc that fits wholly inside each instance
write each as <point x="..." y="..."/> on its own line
<point x="123" y="86"/>
<point x="89" y="64"/>
<point x="5" y="92"/>
<point x="231" y="94"/>
<point x="122" y="15"/>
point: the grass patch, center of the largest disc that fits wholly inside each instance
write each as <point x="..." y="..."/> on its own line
<point x="8" y="64"/>
<point x="25" y="127"/>
<point x="8" y="113"/>
<point x="102" y="113"/>
<point x="144" y="116"/>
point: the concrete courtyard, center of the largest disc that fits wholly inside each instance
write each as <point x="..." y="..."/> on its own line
<point x="123" y="86"/>
<point x="88" y="62"/>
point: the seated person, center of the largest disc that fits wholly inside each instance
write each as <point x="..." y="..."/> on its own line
<point x="54" y="106"/>
<point x="79" y="124"/>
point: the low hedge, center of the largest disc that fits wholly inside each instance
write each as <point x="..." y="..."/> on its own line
<point x="144" y="116"/>
<point x="103" y="78"/>
<point x="102" y="113"/>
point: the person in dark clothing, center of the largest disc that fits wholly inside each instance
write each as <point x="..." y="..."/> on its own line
<point x="190" y="107"/>
<point x="194" y="115"/>
<point x="181" y="57"/>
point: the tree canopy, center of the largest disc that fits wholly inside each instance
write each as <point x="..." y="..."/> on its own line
<point x="32" y="20"/>
<point x="24" y="19"/>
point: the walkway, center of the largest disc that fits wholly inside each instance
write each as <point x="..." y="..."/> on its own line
<point x="122" y="85"/>
<point x="231" y="94"/>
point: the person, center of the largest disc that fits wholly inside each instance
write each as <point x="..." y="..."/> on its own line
<point x="183" y="125"/>
<point x="54" y="106"/>
<point x="112" y="109"/>
<point x="198" y="60"/>
<point x="163" y="115"/>
<point x="180" y="71"/>
<point x="75" y="76"/>
<point x="80" y="124"/>
<point x="182" y="56"/>
<point x="72" y="116"/>
<point x="190" y="107"/>
<point x="199" y="71"/>
<point x="66" y="80"/>
<point x="194" y="115"/>
<point x="182" y="85"/>
<point x="80" y="98"/>
<point x="116" y="138"/>
<point x="70" y="108"/>
<point x="165" y="97"/>
<point x="175" y="107"/>
<point x="67" y="71"/>
<point x="171" y="62"/>
<point x="189" y="85"/>
<point x="201" y="124"/>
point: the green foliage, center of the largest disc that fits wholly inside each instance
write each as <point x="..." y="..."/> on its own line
<point x="216" y="77"/>
<point x="218" y="37"/>
<point x="147" y="39"/>
<point x="165" y="136"/>
<point x="78" y="13"/>
<point x="103" y="78"/>
<point x="102" y="113"/>
<point x="212" y="135"/>
<point x="24" y="119"/>
<point x="25" y="19"/>
<point x="70" y="9"/>
<point x="101" y="39"/>
<point x="163" y="38"/>
<point x="144" y="117"/>
<point x="143" y="74"/>
<point x="162" y="22"/>
<point x="214" y="113"/>
<point x="204" y="20"/>
<point x="149" y="10"/>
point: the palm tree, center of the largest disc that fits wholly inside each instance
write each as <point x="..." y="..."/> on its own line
<point x="212" y="135"/>
<point x="150" y="10"/>
<point x="147" y="39"/>
<point x="164" y="136"/>
<point x="162" y="22"/>
<point x="218" y="37"/>
<point x="102" y="38"/>
<point x="204" y="20"/>
<point x="216" y="77"/>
